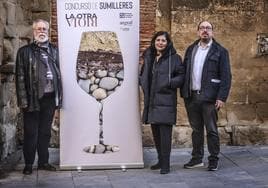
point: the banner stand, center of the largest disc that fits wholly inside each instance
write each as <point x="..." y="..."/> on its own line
<point x="100" y="124"/>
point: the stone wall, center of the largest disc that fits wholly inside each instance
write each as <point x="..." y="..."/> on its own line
<point x="244" y="119"/>
<point x="16" y="17"/>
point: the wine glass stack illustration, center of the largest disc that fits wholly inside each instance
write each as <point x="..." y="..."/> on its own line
<point x="100" y="72"/>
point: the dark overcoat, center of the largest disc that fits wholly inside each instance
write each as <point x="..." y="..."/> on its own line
<point x="159" y="81"/>
<point x="27" y="78"/>
<point x="216" y="73"/>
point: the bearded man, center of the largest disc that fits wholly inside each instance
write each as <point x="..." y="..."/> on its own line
<point x="39" y="93"/>
<point x="206" y="88"/>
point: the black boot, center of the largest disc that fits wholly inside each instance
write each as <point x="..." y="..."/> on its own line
<point x="28" y="169"/>
<point x="156" y="166"/>
<point x="165" y="166"/>
<point x="166" y="138"/>
<point x="164" y="171"/>
<point x="157" y="142"/>
<point x="47" y="167"/>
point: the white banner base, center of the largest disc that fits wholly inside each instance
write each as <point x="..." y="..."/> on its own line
<point x="103" y="166"/>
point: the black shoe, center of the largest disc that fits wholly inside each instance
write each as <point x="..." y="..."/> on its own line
<point x="193" y="163"/>
<point x="46" y="166"/>
<point x="28" y="169"/>
<point x="164" y="171"/>
<point x="213" y="165"/>
<point x="157" y="166"/>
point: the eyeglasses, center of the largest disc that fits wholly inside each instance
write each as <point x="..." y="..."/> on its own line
<point x="203" y="28"/>
<point x="41" y="29"/>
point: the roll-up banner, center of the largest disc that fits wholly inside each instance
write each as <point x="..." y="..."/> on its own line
<point x="99" y="51"/>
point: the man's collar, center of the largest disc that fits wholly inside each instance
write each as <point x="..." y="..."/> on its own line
<point x="207" y="45"/>
<point x="42" y="44"/>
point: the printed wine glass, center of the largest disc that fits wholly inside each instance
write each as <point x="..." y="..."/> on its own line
<point x="100" y="72"/>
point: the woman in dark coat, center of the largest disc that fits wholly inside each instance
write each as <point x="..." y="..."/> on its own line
<point x="161" y="74"/>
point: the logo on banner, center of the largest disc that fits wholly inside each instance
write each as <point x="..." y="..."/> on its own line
<point x="91" y="19"/>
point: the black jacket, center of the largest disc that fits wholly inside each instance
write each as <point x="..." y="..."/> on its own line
<point x="159" y="82"/>
<point x="216" y="75"/>
<point x="27" y="79"/>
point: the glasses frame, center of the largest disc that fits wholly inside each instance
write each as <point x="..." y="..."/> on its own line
<point x="203" y="28"/>
<point x="41" y="29"/>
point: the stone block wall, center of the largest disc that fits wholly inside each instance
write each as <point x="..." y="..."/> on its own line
<point x="244" y="119"/>
<point x="237" y="23"/>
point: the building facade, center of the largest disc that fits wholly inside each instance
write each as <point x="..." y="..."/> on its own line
<point x="240" y="25"/>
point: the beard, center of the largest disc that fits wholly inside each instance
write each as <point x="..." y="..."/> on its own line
<point x="41" y="38"/>
<point x="205" y="40"/>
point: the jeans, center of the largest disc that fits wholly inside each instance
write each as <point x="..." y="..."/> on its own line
<point x="203" y="114"/>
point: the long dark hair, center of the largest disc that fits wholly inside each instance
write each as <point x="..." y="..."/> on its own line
<point x="160" y="33"/>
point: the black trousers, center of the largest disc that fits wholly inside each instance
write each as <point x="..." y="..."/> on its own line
<point x="37" y="131"/>
<point x="203" y="114"/>
<point x="162" y="135"/>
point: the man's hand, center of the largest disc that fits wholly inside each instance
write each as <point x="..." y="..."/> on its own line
<point x="219" y="104"/>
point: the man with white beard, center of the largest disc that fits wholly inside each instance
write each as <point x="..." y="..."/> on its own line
<point x="39" y="93"/>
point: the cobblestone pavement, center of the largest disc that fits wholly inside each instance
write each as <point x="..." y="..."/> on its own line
<point x="245" y="167"/>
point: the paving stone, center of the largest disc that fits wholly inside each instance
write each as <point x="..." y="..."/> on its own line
<point x="238" y="166"/>
<point x="201" y="173"/>
<point x="18" y="185"/>
<point x="12" y="177"/>
<point x="89" y="173"/>
<point x="260" y="151"/>
<point x="42" y="175"/>
<point x="245" y="185"/>
<point x="56" y="183"/>
<point x="196" y="183"/>
<point x="172" y="177"/>
<point x="91" y="180"/>
<point x="129" y="184"/>
<point x="95" y="186"/>
<point x="129" y="175"/>
<point x="169" y="185"/>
